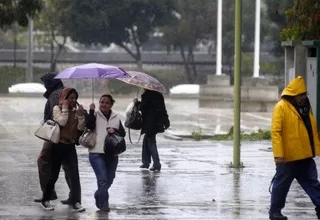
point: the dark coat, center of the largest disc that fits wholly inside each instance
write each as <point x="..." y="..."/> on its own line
<point x="54" y="88"/>
<point x="154" y="114"/>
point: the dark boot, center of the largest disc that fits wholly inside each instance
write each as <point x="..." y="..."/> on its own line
<point x="66" y="201"/>
<point x="277" y="216"/>
<point x="154" y="168"/>
<point x="144" y="166"/>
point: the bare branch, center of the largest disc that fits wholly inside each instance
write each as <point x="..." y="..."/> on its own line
<point x="127" y="49"/>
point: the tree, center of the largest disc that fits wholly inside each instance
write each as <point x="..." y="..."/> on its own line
<point x="248" y="31"/>
<point x="194" y="22"/>
<point x="123" y="22"/>
<point x="50" y="21"/>
<point x="18" y="11"/>
<point x="276" y="14"/>
<point x="302" y="21"/>
<point x="269" y="30"/>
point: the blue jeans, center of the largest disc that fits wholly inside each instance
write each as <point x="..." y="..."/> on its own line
<point x="105" y="169"/>
<point x="305" y="172"/>
<point x="149" y="149"/>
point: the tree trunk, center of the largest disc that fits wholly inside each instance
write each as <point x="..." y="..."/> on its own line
<point x="137" y="44"/>
<point x="57" y="53"/>
<point x="139" y="61"/>
<point x="52" y="64"/>
<point x="15" y="50"/>
<point x="192" y="62"/>
<point x="186" y="65"/>
<point x="54" y="61"/>
<point x="136" y="57"/>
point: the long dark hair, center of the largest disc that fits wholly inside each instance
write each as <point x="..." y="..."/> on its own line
<point x="73" y="91"/>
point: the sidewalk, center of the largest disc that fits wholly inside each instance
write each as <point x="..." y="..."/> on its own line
<point x="193" y="174"/>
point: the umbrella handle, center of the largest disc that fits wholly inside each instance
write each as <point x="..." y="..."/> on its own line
<point x="138" y="92"/>
<point x="92" y="86"/>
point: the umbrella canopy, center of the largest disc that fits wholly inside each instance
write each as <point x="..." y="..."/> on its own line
<point x="143" y="80"/>
<point x="92" y="71"/>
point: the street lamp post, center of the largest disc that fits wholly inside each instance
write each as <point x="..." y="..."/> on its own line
<point x="29" y="72"/>
<point x="237" y="95"/>
<point x="219" y="39"/>
<point x="256" y="69"/>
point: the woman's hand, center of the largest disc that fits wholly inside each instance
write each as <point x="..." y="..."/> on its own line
<point x="80" y="111"/>
<point x="65" y="102"/>
<point x="110" y="130"/>
<point x="92" y="106"/>
<point x="135" y="100"/>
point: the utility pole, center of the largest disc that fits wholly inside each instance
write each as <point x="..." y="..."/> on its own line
<point x="237" y="86"/>
<point x="219" y="40"/>
<point x="257" y="40"/>
<point x="29" y="70"/>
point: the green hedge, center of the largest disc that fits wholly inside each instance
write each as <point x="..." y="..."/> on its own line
<point x="10" y="76"/>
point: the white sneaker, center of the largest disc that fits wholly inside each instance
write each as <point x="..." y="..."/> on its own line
<point x="47" y="206"/>
<point x="78" y="207"/>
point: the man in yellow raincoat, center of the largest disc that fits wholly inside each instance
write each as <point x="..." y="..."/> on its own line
<point x="295" y="142"/>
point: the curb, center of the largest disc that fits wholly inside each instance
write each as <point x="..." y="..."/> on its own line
<point x="172" y="137"/>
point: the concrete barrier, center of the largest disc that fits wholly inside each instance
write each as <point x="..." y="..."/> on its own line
<point x="256" y="94"/>
<point x="265" y="93"/>
<point x="246" y="105"/>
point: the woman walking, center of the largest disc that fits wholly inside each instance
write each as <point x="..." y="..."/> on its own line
<point x="154" y="120"/>
<point x="70" y="119"/>
<point x="103" y="121"/>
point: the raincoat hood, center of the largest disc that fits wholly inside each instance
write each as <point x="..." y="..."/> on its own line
<point x="64" y="94"/>
<point x="296" y="87"/>
<point x="50" y="83"/>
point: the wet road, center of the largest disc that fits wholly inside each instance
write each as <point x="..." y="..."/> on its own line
<point x="192" y="175"/>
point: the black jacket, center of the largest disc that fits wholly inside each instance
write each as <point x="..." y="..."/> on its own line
<point x="154" y="114"/>
<point x="54" y="88"/>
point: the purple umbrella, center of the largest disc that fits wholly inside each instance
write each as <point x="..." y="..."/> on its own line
<point x="92" y="71"/>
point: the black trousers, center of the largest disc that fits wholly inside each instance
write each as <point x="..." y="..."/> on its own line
<point x="44" y="167"/>
<point x="64" y="154"/>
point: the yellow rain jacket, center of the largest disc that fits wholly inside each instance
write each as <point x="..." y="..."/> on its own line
<point x="290" y="138"/>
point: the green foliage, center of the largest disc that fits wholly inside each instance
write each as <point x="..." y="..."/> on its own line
<point x="120" y="22"/>
<point x="302" y="21"/>
<point x="268" y="32"/>
<point x="193" y="24"/>
<point x="197" y="135"/>
<point x="10" y="76"/>
<point x="50" y="22"/>
<point x="17" y="11"/>
<point x="247" y="64"/>
<point x="52" y="17"/>
<point x="254" y="136"/>
<point x="274" y="68"/>
<point x="276" y="21"/>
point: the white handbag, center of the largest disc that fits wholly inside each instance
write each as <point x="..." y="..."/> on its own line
<point x="88" y="139"/>
<point x="49" y="131"/>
